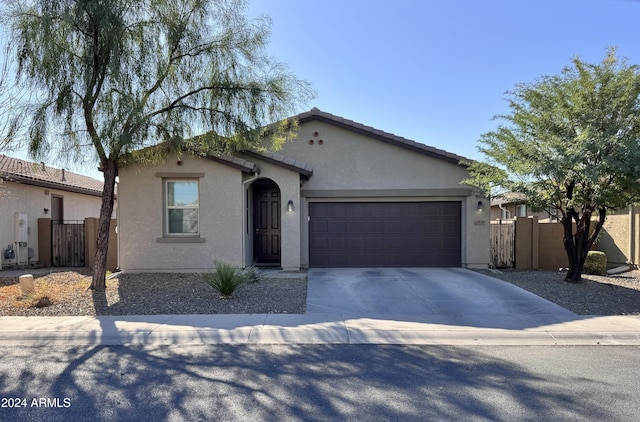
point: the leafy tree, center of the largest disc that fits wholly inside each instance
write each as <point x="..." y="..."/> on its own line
<point x="116" y="76"/>
<point x="571" y="144"/>
<point x="10" y="115"/>
<point x="10" y="119"/>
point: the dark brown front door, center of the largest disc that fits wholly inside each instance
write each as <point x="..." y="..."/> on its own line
<point x="266" y="212"/>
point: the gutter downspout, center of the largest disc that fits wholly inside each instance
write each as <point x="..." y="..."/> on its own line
<point x="502" y="209"/>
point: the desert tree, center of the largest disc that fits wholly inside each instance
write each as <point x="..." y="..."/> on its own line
<point x="117" y="76"/>
<point x="11" y="117"/>
<point x="571" y="145"/>
<point x="11" y="113"/>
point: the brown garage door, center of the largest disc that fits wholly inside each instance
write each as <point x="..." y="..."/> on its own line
<point x="384" y="234"/>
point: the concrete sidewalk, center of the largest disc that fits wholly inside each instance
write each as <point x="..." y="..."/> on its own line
<point x="355" y="306"/>
<point x="302" y="329"/>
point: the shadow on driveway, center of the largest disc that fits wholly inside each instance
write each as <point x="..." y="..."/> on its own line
<point x="448" y="296"/>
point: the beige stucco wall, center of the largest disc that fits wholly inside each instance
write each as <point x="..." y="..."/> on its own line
<point x="140" y="218"/>
<point x="351" y="167"/>
<point x="19" y="197"/>
<point x="620" y="236"/>
<point x="475" y="231"/>
<point x="226" y="211"/>
<point x="347" y="160"/>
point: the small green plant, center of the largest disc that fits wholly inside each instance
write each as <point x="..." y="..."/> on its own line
<point x="251" y="274"/>
<point x="35" y="300"/>
<point x="596" y="263"/>
<point x="226" y="278"/>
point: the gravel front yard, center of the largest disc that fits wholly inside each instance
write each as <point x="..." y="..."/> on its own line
<point x="595" y="295"/>
<point x="164" y="293"/>
<point x="155" y="293"/>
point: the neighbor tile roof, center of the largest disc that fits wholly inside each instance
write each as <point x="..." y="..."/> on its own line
<point x="28" y="173"/>
<point x="390" y="138"/>
<point x="509" y="198"/>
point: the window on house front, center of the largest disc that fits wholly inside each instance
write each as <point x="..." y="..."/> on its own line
<point x="181" y="207"/>
<point x="505" y="214"/>
<point x="521" y="210"/>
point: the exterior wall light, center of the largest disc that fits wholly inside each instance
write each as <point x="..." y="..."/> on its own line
<point x="290" y="206"/>
<point x="46" y="211"/>
<point x="480" y="207"/>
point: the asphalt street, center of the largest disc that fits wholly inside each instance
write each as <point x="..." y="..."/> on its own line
<point x="319" y="382"/>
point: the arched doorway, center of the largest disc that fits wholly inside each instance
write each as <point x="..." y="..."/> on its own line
<point x="266" y="223"/>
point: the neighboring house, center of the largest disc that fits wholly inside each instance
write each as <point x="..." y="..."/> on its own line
<point x="340" y="194"/>
<point x="511" y="205"/>
<point x="29" y="192"/>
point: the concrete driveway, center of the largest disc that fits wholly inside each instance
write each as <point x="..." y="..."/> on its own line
<point x="451" y="296"/>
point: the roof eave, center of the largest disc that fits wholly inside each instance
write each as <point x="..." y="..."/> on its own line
<point x="242" y="165"/>
<point x="305" y="172"/>
<point x="50" y="185"/>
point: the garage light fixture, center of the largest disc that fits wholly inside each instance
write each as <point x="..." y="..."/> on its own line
<point x="480" y="207"/>
<point x="290" y="206"/>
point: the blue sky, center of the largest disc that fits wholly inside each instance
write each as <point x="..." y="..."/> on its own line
<point x="436" y="71"/>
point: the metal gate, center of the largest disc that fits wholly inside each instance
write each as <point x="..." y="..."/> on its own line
<point x="67" y="244"/>
<point x="503" y="244"/>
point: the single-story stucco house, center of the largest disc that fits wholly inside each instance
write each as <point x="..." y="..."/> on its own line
<point x="341" y="194"/>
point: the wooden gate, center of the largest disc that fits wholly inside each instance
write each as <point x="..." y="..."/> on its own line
<point x="503" y="244"/>
<point x="67" y="244"/>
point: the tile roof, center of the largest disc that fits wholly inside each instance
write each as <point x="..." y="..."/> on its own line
<point x="390" y="138"/>
<point x="509" y="198"/>
<point x="29" y="173"/>
<point x="280" y="160"/>
<point x="236" y="162"/>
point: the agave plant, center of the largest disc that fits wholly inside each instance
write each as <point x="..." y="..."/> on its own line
<point x="225" y="279"/>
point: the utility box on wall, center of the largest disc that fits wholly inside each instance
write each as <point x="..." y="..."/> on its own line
<point x="21" y="237"/>
<point x="21" y="227"/>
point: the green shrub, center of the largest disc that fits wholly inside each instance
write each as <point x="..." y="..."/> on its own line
<point x="596" y="263"/>
<point x="251" y="275"/>
<point x="226" y="278"/>
<point x="35" y="300"/>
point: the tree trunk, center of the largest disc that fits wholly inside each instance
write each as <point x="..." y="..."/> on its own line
<point x="110" y="170"/>
<point x="574" y="275"/>
<point x="569" y="246"/>
<point x="579" y="245"/>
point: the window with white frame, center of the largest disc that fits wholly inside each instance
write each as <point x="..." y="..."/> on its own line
<point x="181" y="207"/>
<point x="521" y="210"/>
